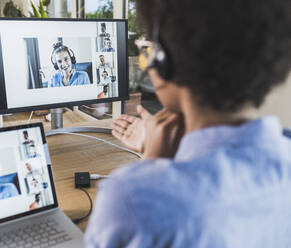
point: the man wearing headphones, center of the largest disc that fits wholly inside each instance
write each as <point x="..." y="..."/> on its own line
<point x="63" y="60"/>
<point x="214" y="175"/>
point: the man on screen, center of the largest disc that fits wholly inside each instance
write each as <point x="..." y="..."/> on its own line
<point x="102" y="65"/>
<point x="103" y="30"/>
<point x="105" y="78"/>
<point x="63" y="60"/>
<point x="36" y="203"/>
<point x="29" y="146"/>
<point x="107" y="47"/>
<point x="33" y="180"/>
<point x="104" y="93"/>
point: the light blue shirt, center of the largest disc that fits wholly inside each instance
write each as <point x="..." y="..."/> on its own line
<point x="7" y="190"/>
<point x="78" y="78"/>
<point x="227" y="187"/>
<point x="104" y="49"/>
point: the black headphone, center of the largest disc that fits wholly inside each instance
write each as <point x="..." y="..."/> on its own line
<point x="60" y="47"/>
<point x="159" y="57"/>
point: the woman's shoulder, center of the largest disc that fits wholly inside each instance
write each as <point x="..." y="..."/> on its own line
<point x="57" y="75"/>
<point x="56" y="79"/>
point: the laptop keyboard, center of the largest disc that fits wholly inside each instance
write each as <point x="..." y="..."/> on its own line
<point x="43" y="234"/>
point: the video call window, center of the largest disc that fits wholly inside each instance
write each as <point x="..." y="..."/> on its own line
<point x="9" y="180"/>
<point x="58" y="62"/>
<point x="65" y="61"/>
<point x="24" y="177"/>
<point x="9" y="186"/>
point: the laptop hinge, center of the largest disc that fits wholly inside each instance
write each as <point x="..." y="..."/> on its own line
<point x="45" y="212"/>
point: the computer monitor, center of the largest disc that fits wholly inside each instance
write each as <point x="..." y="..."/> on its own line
<point x="53" y="63"/>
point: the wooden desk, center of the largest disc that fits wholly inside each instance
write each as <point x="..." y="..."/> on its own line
<point x="70" y="154"/>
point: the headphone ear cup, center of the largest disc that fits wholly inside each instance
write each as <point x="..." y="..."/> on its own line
<point x="53" y="62"/>
<point x="73" y="59"/>
<point x="161" y="62"/>
<point x="72" y="55"/>
<point x="56" y="66"/>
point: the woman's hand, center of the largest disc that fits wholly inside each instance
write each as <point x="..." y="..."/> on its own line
<point x="163" y="133"/>
<point x="130" y="131"/>
<point x="153" y="135"/>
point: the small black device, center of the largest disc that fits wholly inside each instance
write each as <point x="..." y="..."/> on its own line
<point x="82" y="180"/>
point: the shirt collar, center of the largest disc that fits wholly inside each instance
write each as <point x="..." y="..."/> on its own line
<point x="256" y="132"/>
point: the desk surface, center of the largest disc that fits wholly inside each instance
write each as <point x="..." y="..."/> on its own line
<point x="70" y="154"/>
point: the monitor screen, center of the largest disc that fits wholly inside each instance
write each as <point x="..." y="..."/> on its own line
<point x="49" y="63"/>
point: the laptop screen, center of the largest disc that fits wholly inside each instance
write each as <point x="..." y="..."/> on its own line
<point x="26" y="184"/>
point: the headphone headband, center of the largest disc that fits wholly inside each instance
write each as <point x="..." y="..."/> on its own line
<point x="159" y="57"/>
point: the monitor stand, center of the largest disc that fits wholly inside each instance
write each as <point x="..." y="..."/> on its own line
<point x="2" y="119"/>
<point x="57" y="126"/>
<point x="57" y="122"/>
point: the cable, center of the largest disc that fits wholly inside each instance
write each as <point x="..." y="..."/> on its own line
<point x="28" y="121"/>
<point x="105" y="141"/>
<point x="76" y="221"/>
<point x="78" y="181"/>
<point x="97" y="176"/>
<point x="85" y="106"/>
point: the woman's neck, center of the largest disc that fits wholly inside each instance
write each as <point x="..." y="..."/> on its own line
<point x="67" y="78"/>
<point x="197" y="117"/>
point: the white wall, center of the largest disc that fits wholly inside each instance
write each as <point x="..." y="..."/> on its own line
<point x="7" y="161"/>
<point x="81" y="47"/>
<point x="45" y="50"/>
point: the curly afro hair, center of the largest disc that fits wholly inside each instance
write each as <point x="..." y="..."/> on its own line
<point x="229" y="52"/>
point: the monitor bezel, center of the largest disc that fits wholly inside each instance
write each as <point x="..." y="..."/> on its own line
<point x="39" y="210"/>
<point x="71" y="103"/>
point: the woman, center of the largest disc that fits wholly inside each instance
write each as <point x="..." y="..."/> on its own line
<point x="214" y="175"/>
<point x="63" y="60"/>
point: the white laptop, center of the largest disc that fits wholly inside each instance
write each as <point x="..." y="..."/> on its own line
<point x="29" y="212"/>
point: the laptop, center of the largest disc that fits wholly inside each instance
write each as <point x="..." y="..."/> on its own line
<point x="29" y="212"/>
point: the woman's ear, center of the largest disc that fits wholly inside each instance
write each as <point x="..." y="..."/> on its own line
<point x="168" y="92"/>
